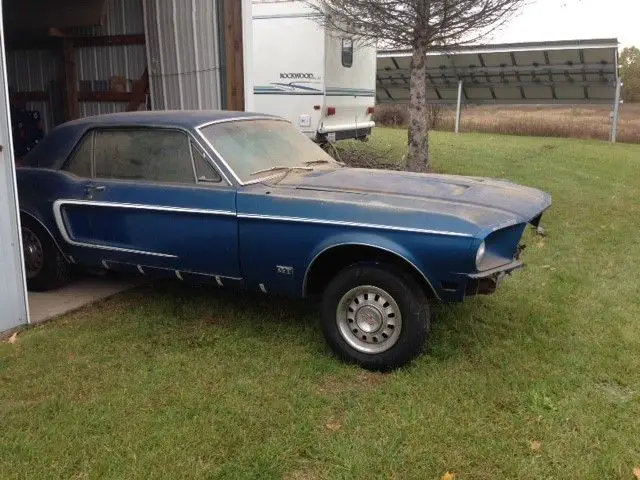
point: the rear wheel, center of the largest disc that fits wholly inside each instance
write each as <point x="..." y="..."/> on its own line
<point x="45" y="267"/>
<point x="375" y="316"/>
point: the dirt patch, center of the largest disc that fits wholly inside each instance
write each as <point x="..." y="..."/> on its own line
<point x="303" y="474"/>
<point x="361" y="381"/>
<point x="617" y="392"/>
<point x="336" y="421"/>
<point x="222" y="320"/>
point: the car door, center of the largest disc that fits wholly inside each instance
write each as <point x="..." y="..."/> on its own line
<point x="156" y="201"/>
<point x="74" y="185"/>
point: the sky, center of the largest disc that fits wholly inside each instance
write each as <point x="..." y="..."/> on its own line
<point x="545" y="20"/>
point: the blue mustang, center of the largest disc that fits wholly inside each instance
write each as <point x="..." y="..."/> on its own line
<point x="244" y="200"/>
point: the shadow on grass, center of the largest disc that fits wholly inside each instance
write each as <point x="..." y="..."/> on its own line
<point x="232" y="303"/>
<point x="171" y="314"/>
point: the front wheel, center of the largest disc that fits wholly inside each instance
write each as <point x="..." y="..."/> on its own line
<point x="375" y="316"/>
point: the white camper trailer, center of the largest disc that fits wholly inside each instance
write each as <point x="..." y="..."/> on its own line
<point x="321" y="81"/>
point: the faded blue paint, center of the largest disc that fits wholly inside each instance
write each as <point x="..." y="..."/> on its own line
<point x="241" y="233"/>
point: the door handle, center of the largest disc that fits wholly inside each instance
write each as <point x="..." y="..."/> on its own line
<point x="89" y="190"/>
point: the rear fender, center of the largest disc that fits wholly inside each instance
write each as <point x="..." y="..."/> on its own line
<point x="34" y="215"/>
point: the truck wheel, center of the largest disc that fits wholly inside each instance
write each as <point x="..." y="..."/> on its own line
<point x="374" y="316"/>
<point x="45" y="267"/>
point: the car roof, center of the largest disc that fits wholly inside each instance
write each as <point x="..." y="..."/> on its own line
<point x="56" y="146"/>
<point x="181" y="118"/>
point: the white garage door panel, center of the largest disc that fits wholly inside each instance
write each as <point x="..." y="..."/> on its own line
<point x="13" y="297"/>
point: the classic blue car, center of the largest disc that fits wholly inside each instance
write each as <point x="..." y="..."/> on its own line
<point x="244" y="200"/>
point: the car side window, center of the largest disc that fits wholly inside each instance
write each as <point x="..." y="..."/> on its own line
<point x="205" y="172"/>
<point x="347" y="52"/>
<point x="143" y="154"/>
<point x="80" y="161"/>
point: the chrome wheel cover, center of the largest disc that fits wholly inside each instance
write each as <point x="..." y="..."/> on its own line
<point x="33" y="253"/>
<point x="369" y="319"/>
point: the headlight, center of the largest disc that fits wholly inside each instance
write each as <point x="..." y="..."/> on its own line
<point x="480" y="255"/>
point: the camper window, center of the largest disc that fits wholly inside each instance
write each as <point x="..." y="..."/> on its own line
<point x="347" y="52"/>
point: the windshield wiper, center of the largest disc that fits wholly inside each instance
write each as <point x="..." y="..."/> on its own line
<point x="280" y="167"/>
<point x="313" y="162"/>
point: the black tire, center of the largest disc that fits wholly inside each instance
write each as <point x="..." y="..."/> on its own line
<point x="408" y="297"/>
<point x="54" y="271"/>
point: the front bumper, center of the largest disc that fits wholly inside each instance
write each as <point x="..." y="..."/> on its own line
<point x="485" y="283"/>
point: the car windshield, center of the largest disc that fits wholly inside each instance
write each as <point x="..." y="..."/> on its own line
<point x="257" y="149"/>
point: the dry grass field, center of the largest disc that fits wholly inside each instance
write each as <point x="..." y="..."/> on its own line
<point x="589" y="122"/>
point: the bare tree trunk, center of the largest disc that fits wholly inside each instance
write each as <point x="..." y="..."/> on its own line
<point x="418" y="160"/>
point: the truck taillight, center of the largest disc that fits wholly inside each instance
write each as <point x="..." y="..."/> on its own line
<point x="331" y="111"/>
<point x="371" y="110"/>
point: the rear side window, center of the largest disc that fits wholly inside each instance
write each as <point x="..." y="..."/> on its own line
<point x="347" y="52"/>
<point x="80" y="162"/>
<point x="151" y="155"/>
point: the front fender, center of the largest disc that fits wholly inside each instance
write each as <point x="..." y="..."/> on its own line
<point x="367" y="239"/>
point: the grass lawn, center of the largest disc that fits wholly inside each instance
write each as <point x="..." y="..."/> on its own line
<point x="539" y="381"/>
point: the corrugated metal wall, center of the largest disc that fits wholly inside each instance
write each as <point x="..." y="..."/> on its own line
<point x="123" y="17"/>
<point x="33" y="70"/>
<point x="185" y="67"/>
<point x="96" y="65"/>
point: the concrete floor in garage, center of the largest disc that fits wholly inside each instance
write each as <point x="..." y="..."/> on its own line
<point x="83" y="291"/>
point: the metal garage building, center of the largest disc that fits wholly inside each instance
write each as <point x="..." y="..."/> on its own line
<point x="64" y="59"/>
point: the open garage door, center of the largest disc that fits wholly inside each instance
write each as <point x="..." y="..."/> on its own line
<point x="13" y="293"/>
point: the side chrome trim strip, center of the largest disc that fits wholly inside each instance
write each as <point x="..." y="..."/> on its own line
<point x="57" y="213"/>
<point x="137" y="206"/>
<point x="352" y="224"/>
<point x="356" y="244"/>
<point x="178" y="273"/>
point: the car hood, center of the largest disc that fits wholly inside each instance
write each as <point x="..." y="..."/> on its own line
<point x="485" y="202"/>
